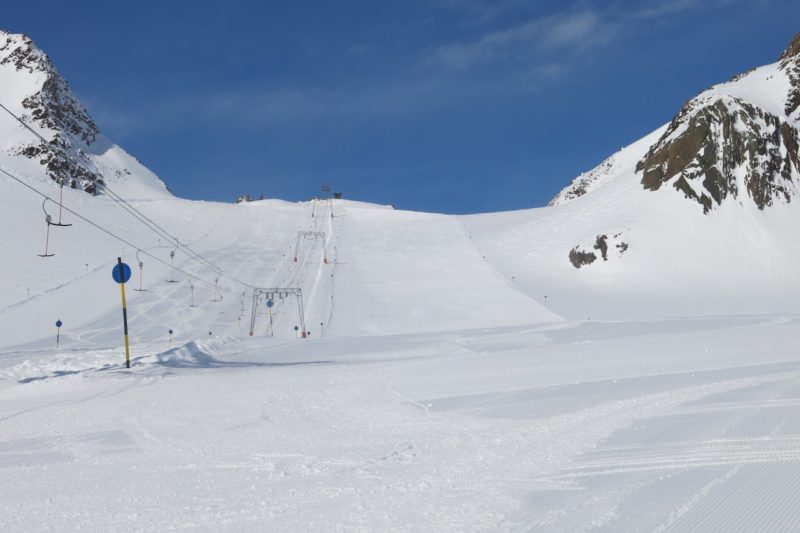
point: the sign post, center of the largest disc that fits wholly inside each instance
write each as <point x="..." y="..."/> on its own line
<point x="58" y="332"/>
<point x="122" y="273"/>
<point x="270" y="303"/>
<point x="170" y="336"/>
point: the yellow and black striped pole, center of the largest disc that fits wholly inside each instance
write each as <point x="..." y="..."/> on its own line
<point x="124" y="314"/>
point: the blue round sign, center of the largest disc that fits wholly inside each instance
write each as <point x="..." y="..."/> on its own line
<point x="170" y="332"/>
<point x="121" y="275"/>
<point x="58" y="323"/>
<point x="270" y="303"/>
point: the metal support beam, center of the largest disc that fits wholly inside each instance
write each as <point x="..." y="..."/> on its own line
<point x="310" y="235"/>
<point x="273" y="293"/>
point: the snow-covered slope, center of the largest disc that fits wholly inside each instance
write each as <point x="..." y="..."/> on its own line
<point x="698" y="217"/>
<point x="641" y="253"/>
<point x="388" y="271"/>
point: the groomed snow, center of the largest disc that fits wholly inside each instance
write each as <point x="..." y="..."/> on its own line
<point x="441" y="394"/>
<point x="673" y="425"/>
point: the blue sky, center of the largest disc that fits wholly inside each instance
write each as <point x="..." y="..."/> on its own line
<point x="453" y="106"/>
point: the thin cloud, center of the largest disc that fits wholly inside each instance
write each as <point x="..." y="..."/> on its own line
<point x="665" y="8"/>
<point x="573" y="30"/>
<point x="481" y="11"/>
<point x="281" y="107"/>
<point x="496" y="63"/>
<point x="360" y="49"/>
<point x="569" y="31"/>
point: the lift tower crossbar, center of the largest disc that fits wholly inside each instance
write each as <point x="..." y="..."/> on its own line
<point x="280" y="293"/>
<point x="310" y="235"/>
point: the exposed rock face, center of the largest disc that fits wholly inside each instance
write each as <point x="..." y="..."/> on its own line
<point x="790" y="64"/>
<point x="738" y="140"/>
<point x="20" y="52"/>
<point x="718" y="146"/>
<point x="584" y="183"/>
<point x="602" y="245"/>
<point x="56" y="107"/>
<point x="56" y="113"/>
<point x="579" y="258"/>
<point x="793" y="50"/>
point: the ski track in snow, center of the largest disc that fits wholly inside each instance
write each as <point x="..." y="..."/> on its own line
<point x="496" y="416"/>
<point x="251" y="434"/>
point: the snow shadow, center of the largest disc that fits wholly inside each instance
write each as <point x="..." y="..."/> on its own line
<point x="601" y="330"/>
<point x="542" y="402"/>
<point x="191" y="355"/>
<point x="56" y="374"/>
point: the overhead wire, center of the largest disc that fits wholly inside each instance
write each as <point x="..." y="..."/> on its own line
<point x="168" y="236"/>
<point x="133" y="211"/>
<point x="111" y="233"/>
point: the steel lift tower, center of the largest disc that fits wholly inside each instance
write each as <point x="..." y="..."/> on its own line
<point x="280" y="293"/>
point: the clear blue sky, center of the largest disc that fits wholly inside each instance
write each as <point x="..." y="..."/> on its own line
<point x="453" y="106"/>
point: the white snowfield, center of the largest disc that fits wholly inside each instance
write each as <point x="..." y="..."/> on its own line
<point x="458" y="373"/>
<point x="440" y="394"/>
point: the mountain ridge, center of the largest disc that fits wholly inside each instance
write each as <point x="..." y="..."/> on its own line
<point x="71" y="151"/>
<point x="737" y="137"/>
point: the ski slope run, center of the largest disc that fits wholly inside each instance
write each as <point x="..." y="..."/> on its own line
<point x="374" y="271"/>
<point x="670" y="425"/>
<point x="435" y="392"/>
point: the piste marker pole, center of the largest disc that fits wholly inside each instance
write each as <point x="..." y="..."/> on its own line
<point x="122" y="273"/>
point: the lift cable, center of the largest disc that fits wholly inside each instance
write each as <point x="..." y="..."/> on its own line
<point x="141" y="217"/>
<point x="112" y="234"/>
<point x="168" y="236"/>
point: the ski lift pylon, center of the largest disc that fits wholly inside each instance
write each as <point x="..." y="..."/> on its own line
<point x="141" y="270"/>
<point x="172" y="268"/>
<point x="49" y="221"/>
<point x="60" y="204"/>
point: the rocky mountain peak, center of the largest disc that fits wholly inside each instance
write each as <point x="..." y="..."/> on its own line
<point x="19" y="51"/>
<point x="793" y="50"/>
<point x="719" y="147"/>
<point x="52" y="109"/>
<point x="731" y="142"/>
<point x="790" y="64"/>
<point x="735" y="140"/>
